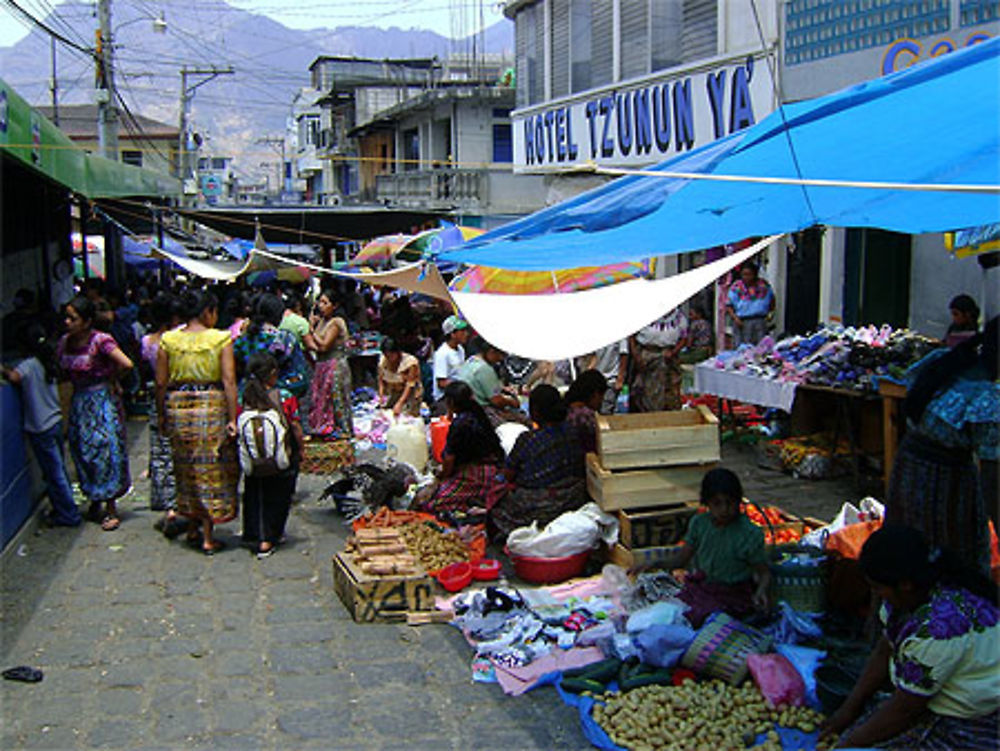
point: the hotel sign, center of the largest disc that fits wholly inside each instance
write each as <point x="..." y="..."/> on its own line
<point x="645" y="122"/>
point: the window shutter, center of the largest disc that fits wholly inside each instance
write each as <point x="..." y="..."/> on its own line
<point x="700" y="38"/>
<point x="560" y="47"/>
<point x="521" y="22"/>
<point x="635" y="38"/>
<point x="603" y="41"/>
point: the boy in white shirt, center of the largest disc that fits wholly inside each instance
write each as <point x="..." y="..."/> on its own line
<point x="449" y="357"/>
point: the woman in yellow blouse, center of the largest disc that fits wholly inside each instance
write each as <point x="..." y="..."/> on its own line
<point x="196" y="397"/>
<point x="399" y="384"/>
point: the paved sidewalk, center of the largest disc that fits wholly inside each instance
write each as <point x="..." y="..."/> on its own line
<point x="145" y="643"/>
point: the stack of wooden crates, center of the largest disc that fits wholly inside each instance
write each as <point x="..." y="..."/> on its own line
<point x="647" y="470"/>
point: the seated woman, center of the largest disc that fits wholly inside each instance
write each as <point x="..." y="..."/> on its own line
<point x="584" y="399"/>
<point x="399" y="387"/>
<point x="544" y="469"/>
<point x="730" y="566"/>
<point x="471" y="476"/>
<point x="940" y="649"/>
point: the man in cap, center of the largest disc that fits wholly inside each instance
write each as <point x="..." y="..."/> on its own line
<point x="449" y="357"/>
<point x="500" y="403"/>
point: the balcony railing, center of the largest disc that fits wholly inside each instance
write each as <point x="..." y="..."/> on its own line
<point x="435" y="189"/>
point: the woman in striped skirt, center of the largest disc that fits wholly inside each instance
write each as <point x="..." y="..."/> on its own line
<point x="196" y="397"/>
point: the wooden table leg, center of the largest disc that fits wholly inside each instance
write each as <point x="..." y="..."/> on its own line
<point x="890" y="436"/>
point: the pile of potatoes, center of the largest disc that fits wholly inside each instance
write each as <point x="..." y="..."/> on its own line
<point x="711" y="715"/>
<point x="432" y="548"/>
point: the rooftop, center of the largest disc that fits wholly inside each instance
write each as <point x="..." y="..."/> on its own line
<point x="79" y="121"/>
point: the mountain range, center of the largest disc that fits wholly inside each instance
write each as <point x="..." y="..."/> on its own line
<point x="232" y="112"/>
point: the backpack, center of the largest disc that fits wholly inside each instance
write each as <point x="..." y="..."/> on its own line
<point x="263" y="439"/>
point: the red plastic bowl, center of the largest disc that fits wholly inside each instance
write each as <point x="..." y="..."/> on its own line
<point x="486" y="569"/>
<point x="456" y="576"/>
<point x="548" y="570"/>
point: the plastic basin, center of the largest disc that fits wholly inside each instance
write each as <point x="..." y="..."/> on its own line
<point x="486" y="569"/>
<point x="455" y="576"/>
<point x="548" y="570"/>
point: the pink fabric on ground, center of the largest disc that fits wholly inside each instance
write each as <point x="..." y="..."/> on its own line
<point x="516" y="681"/>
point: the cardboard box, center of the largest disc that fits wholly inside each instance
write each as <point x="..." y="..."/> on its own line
<point x="380" y="599"/>
<point x="655" y="526"/>
<point x="658" y="439"/>
<point x="642" y="488"/>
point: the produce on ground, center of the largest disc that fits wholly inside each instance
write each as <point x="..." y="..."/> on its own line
<point x="710" y="715"/>
<point x="433" y="548"/>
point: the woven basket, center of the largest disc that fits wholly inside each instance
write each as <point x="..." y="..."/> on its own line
<point x="802" y="586"/>
<point x="326" y="457"/>
<point x="721" y="648"/>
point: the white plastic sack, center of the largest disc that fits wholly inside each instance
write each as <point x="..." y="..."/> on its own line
<point x="870" y="510"/>
<point x="571" y="533"/>
<point x="657" y="614"/>
<point x="508" y="433"/>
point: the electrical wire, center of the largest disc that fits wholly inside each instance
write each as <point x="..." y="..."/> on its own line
<point x="50" y="31"/>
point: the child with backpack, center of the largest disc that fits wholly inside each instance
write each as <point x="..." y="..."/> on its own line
<point x="269" y="436"/>
<point x="36" y="375"/>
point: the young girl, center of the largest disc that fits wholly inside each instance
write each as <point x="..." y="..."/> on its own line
<point x="267" y="500"/>
<point x="36" y="375"/>
<point x="730" y="566"/>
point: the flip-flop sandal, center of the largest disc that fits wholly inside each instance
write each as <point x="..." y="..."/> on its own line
<point x="217" y="545"/>
<point x="23" y="673"/>
<point x="110" y="523"/>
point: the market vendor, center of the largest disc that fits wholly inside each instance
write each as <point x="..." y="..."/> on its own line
<point x="727" y="550"/>
<point x="656" y="369"/>
<point x="479" y="372"/>
<point x="583" y="398"/>
<point x="448" y="358"/>
<point x="944" y="479"/>
<point x="471" y="475"/>
<point x="544" y="469"/>
<point x="399" y="387"/>
<point x="750" y="301"/>
<point x="940" y="649"/>
<point x="964" y="320"/>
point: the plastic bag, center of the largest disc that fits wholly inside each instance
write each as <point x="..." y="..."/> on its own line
<point x="508" y="433"/>
<point x="793" y="626"/>
<point x="849" y="540"/>
<point x="568" y="534"/>
<point x="777" y="679"/>
<point x="805" y="660"/>
<point x="658" y="614"/>
<point x="869" y="510"/>
<point x="663" y="646"/>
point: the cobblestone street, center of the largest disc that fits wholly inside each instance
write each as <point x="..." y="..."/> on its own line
<point x="145" y="643"/>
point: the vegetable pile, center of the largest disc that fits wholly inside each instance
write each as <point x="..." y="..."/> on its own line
<point x="433" y="547"/>
<point x="710" y="715"/>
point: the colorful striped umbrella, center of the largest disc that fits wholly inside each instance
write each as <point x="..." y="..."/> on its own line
<point x="488" y="280"/>
<point x="379" y="252"/>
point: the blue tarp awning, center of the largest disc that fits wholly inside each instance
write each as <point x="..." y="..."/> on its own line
<point x="934" y="123"/>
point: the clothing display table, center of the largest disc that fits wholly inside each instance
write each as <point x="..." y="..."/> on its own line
<point x="743" y="388"/>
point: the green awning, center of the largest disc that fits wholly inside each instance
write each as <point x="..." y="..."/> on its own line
<point x="28" y="136"/>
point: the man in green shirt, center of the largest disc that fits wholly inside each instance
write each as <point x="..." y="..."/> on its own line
<point x="500" y="403"/>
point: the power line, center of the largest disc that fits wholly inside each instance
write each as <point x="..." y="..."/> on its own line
<point x="49" y="30"/>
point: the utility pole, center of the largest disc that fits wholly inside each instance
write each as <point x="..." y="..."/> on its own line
<point x="54" y="86"/>
<point x="107" y="109"/>
<point x="270" y="141"/>
<point x="187" y="92"/>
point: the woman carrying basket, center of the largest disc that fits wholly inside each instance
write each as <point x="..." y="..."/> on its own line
<point x="196" y="398"/>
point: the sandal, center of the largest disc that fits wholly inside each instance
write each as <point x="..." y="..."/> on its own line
<point x="215" y="547"/>
<point x="110" y="523"/>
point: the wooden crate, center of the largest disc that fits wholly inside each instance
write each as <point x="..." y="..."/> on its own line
<point x="629" y="558"/>
<point x="658" y="439"/>
<point x="641" y="488"/>
<point x="655" y="526"/>
<point x="380" y="599"/>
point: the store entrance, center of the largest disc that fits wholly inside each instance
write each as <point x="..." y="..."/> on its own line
<point x="877" y="278"/>
<point x="802" y="282"/>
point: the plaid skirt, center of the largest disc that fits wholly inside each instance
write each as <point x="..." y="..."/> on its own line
<point x="162" y="485"/>
<point x="472" y="486"/>
<point x="935" y="732"/>
<point x="522" y="506"/>
<point x="936" y="490"/>
<point x="96" y="438"/>
<point x="205" y="464"/>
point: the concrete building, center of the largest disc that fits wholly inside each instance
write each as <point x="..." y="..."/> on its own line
<point x="448" y="149"/>
<point x="636" y="82"/>
<point x="153" y="145"/>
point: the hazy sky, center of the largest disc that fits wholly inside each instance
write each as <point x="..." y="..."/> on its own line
<point x="450" y="18"/>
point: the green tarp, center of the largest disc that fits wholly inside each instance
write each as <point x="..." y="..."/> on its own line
<point x="28" y="136"/>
